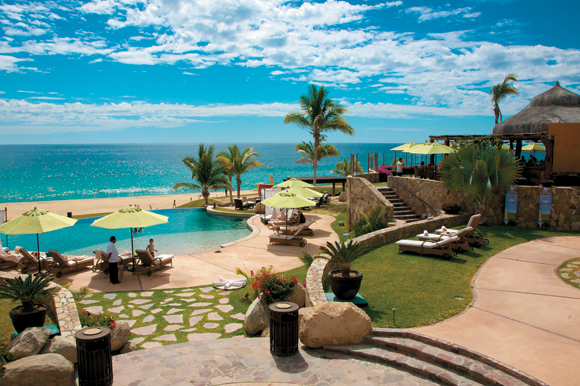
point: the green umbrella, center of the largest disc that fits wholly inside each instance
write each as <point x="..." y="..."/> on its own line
<point x="292" y="183"/>
<point x="429" y="148"/>
<point x="404" y="147"/>
<point x="535" y="147"/>
<point x="130" y="217"/>
<point x="305" y="192"/>
<point x="36" y="221"/>
<point x="287" y="199"/>
<point x="505" y="146"/>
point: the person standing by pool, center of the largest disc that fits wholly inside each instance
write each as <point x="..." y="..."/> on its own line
<point x="113" y="255"/>
<point x="400" y="167"/>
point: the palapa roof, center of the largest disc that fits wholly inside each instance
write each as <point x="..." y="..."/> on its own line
<point x="557" y="105"/>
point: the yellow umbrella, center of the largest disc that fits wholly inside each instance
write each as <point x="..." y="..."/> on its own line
<point x="305" y="192"/>
<point x="429" y="148"/>
<point x="36" y="221"/>
<point x="287" y="199"/>
<point x="292" y="183"/>
<point x="404" y="147"/>
<point x="130" y="217"/>
<point x="505" y="146"/>
<point x="535" y="147"/>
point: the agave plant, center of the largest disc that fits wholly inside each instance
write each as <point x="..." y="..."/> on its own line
<point x="479" y="172"/>
<point x="342" y="254"/>
<point x="369" y="223"/>
<point x="26" y="290"/>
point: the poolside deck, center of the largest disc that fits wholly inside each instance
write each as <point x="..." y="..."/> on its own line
<point x="206" y="267"/>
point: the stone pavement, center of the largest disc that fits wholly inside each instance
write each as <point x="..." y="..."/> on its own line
<point x="206" y="267"/>
<point x="249" y="362"/>
<point x="524" y="315"/>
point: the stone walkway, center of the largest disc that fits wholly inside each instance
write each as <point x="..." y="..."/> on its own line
<point x="524" y="315"/>
<point x="249" y="362"/>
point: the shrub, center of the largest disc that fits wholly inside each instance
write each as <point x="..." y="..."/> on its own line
<point x="89" y="319"/>
<point x="251" y="277"/>
<point x="274" y="288"/>
<point x="451" y="208"/>
<point x="369" y="223"/>
<point x="342" y="255"/>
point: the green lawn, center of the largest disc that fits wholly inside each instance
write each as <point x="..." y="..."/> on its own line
<point x="572" y="268"/>
<point x="234" y="211"/>
<point x="424" y="289"/>
<point x="197" y="203"/>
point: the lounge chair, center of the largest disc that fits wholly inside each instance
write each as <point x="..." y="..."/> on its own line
<point x="64" y="264"/>
<point x="293" y="220"/>
<point x="416" y="170"/>
<point x="430" y="172"/>
<point x="8" y="260"/>
<point x="149" y="263"/>
<point x="102" y="260"/>
<point x="292" y="239"/>
<point x="306" y="230"/>
<point x="461" y="245"/>
<point x="239" y="204"/>
<point x="437" y="248"/>
<point x="475" y="237"/>
<point x="30" y="262"/>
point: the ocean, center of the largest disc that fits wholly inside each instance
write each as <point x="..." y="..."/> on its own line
<point x="65" y="172"/>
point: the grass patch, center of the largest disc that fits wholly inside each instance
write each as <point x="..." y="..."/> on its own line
<point x="197" y="203"/>
<point x="423" y="289"/>
<point x="572" y="268"/>
<point x="79" y="216"/>
<point x="6" y="326"/>
<point x="218" y="209"/>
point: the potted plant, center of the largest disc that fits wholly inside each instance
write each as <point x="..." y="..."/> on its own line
<point x="29" y="314"/>
<point x="344" y="282"/>
<point x="451" y="208"/>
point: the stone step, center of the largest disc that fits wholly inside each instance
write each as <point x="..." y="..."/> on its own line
<point x="384" y="189"/>
<point x="413" y="219"/>
<point x="403" y="212"/>
<point x="403" y="362"/>
<point x="459" y="364"/>
<point x="398" y="204"/>
<point x="406" y="216"/>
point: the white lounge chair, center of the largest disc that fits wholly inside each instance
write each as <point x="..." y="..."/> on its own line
<point x="437" y="248"/>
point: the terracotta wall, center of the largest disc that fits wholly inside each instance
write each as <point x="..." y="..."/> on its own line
<point x="564" y="216"/>
<point x="362" y="196"/>
<point x="566" y="153"/>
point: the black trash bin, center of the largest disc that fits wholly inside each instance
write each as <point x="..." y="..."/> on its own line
<point x="283" y="329"/>
<point x="94" y="359"/>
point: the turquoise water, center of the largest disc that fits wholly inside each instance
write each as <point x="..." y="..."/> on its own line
<point x="64" y="172"/>
<point x="187" y="231"/>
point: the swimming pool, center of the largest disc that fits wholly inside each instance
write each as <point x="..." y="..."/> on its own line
<point x="187" y="231"/>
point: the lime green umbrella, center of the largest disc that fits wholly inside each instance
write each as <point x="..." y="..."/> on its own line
<point x="505" y="146"/>
<point x="130" y="217"/>
<point x="36" y="221"/>
<point x="535" y="147"/>
<point x="304" y="192"/>
<point x="293" y="182"/>
<point x="429" y="148"/>
<point x="404" y="147"/>
<point x="287" y="199"/>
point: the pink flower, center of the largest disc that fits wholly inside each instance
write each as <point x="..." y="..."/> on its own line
<point x="267" y="292"/>
<point x="294" y="280"/>
<point x="113" y="324"/>
<point x="251" y="273"/>
<point x="265" y="275"/>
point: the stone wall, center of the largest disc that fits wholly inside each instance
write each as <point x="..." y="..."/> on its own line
<point x="62" y="305"/>
<point x="362" y="196"/>
<point x="564" y="216"/>
<point x="314" y="290"/>
<point x="372" y="177"/>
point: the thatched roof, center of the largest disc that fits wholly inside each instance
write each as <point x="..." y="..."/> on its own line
<point x="557" y="105"/>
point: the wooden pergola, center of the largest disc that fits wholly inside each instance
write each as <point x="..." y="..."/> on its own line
<point x="323" y="180"/>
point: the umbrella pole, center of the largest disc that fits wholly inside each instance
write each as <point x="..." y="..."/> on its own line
<point x="132" y="251"/>
<point x="38" y="255"/>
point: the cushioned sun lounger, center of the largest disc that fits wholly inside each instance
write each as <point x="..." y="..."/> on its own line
<point x="8" y="260"/>
<point x="461" y="245"/>
<point x="292" y="239"/>
<point x="30" y="262"/>
<point x="291" y="229"/>
<point x="475" y="237"/>
<point x="102" y="260"/>
<point x="148" y="263"/>
<point x="64" y="264"/>
<point x="436" y="248"/>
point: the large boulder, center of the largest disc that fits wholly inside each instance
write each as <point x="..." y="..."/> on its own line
<point x="29" y="342"/>
<point x="45" y="370"/>
<point x="120" y="335"/>
<point x="343" y="197"/>
<point x="128" y="347"/>
<point x="298" y="295"/>
<point x="63" y="346"/>
<point x="329" y="324"/>
<point x="257" y="316"/>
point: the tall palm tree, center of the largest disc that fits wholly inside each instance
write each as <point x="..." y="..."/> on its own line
<point x="319" y="115"/>
<point x="238" y="163"/>
<point x="307" y="150"/>
<point x="500" y="91"/>
<point x="208" y="173"/>
<point x="343" y="168"/>
<point x="479" y="172"/>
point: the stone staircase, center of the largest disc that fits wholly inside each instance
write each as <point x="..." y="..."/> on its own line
<point x="401" y="210"/>
<point x="441" y="362"/>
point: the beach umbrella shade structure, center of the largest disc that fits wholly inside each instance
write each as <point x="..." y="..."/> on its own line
<point x="130" y="217"/>
<point x="505" y="146"/>
<point x="287" y="199"/>
<point x="404" y="147"/>
<point x="535" y="147"/>
<point x="36" y="221"/>
<point x="293" y="182"/>
<point x="305" y="192"/>
<point x="431" y="148"/>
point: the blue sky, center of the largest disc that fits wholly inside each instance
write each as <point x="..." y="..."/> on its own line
<point x="159" y="71"/>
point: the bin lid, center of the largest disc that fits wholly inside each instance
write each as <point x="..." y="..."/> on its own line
<point x="283" y="307"/>
<point x="92" y="333"/>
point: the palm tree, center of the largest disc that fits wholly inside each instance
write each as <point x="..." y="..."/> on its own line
<point x="342" y="254"/>
<point x="500" y="91"/>
<point x="238" y="163"/>
<point x="319" y="115"/>
<point x="343" y="168"/>
<point x="307" y="150"/>
<point x="479" y="172"/>
<point x="206" y="171"/>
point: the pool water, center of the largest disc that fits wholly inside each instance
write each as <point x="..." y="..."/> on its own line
<point x="187" y="231"/>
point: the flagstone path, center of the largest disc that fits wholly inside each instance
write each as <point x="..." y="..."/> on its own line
<point x="249" y="362"/>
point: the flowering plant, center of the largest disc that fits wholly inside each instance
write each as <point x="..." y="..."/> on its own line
<point x="273" y="287"/>
<point x="384" y="169"/>
<point x="89" y="319"/>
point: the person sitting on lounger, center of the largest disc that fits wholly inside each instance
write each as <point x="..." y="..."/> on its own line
<point x="301" y="217"/>
<point x="151" y="248"/>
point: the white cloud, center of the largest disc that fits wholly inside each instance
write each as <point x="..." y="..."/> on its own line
<point x="9" y="63"/>
<point x="188" y="73"/>
<point x="426" y="13"/>
<point x="27" y="92"/>
<point x="46" y="98"/>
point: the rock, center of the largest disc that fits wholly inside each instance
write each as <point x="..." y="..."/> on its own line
<point x="45" y="370"/>
<point x="298" y="295"/>
<point x="260" y="208"/>
<point x="333" y="324"/>
<point x="29" y="342"/>
<point x="128" y="347"/>
<point x="63" y="346"/>
<point x="257" y="317"/>
<point x="120" y="335"/>
<point x="342" y="197"/>
<point x="265" y="332"/>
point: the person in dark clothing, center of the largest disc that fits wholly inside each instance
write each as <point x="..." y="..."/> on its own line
<point x="113" y="260"/>
<point x="302" y="217"/>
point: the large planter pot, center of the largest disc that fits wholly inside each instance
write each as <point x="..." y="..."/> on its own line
<point x="21" y="321"/>
<point x="345" y="288"/>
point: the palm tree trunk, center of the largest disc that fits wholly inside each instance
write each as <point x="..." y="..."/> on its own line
<point x="315" y="160"/>
<point x="239" y="182"/>
<point x="496" y="113"/>
<point x="231" y="191"/>
<point x="205" y="194"/>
